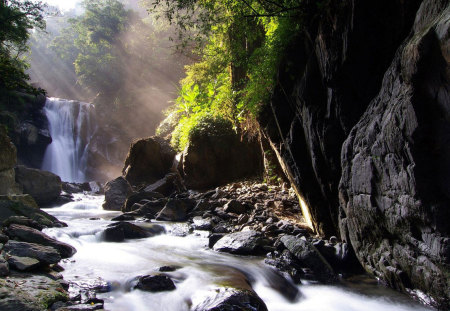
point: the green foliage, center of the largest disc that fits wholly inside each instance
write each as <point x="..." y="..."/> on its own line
<point x="202" y="123"/>
<point x="17" y="18"/>
<point x="240" y="45"/>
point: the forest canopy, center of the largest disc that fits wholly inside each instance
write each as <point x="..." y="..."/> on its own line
<point x="240" y="44"/>
<point x="17" y="19"/>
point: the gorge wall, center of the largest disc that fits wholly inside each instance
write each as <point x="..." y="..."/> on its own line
<point x="362" y="133"/>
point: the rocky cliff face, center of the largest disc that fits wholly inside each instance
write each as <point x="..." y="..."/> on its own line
<point x="372" y="82"/>
<point x="339" y="64"/>
<point x="27" y="126"/>
<point x="395" y="186"/>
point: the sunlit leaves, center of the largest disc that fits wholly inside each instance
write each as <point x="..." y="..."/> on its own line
<point x="17" y="18"/>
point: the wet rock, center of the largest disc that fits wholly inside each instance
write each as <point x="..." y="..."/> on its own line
<point x="118" y="232"/>
<point x="309" y="257"/>
<point x="213" y="238"/>
<point x="3" y="239"/>
<point x="227" y="299"/>
<point x="287" y="263"/>
<point x="10" y="208"/>
<point x="23" y="263"/>
<point x="155" y="197"/>
<point x="25" y="199"/>
<point x="168" y="268"/>
<point x="82" y="307"/>
<point x="4" y="266"/>
<point x="155" y="283"/>
<point x="235" y="206"/>
<point x="116" y="193"/>
<point x="167" y="185"/>
<point x="176" y="210"/>
<point x="148" y="160"/>
<point x="241" y="243"/>
<point x="27" y="234"/>
<point x="200" y="223"/>
<point x="7" y="162"/>
<point x="46" y="255"/>
<point x="29" y="292"/>
<point x="43" y="186"/>
<point x="395" y="187"/>
<point x="123" y="217"/>
<point x="217" y="155"/>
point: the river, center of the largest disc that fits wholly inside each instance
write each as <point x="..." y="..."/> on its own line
<point x="114" y="266"/>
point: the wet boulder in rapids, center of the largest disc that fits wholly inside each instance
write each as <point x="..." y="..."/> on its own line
<point x="116" y="192"/>
<point x="241" y="243"/>
<point x="148" y="160"/>
<point x="31" y="235"/>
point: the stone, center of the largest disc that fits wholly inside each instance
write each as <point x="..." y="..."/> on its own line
<point x="4" y="267"/>
<point x="176" y="210"/>
<point x="116" y="193"/>
<point x="23" y="263"/>
<point x="234" y="206"/>
<point x="123" y="217"/>
<point x="43" y="186"/>
<point x="226" y="299"/>
<point x="46" y="255"/>
<point x="8" y="152"/>
<point x="10" y="208"/>
<point x="155" y="283"/>
<point x="200" y="223"/>
<point x="309" y="257"/>
<point x="241" y="243"/>
<point x="140" y="196"/>
<point x="27" y="234"/>
<point x="213" y="238"/>
<point x="22" y="220"/>
<point x="166" y="186"/>
<point x="215" y="158"/>
<point x="119" y="231"/>
<point x="148" y="160"/>
<point x="8" y="159"/>
<point x="26" y="199"/>
<point x="30" y="292"/>
<point x="395" y="186"/>
<point x="82" y="307"/>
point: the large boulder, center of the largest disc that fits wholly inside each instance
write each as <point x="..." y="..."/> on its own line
<point x="241" y="243"/>
<point x="148" y="161"/>
<point x="116" y="193"/>
<point x="155" y="283"/>
<point x="46" y="255"/>
<point x="326" y="79"/>
<point x="119" y="231"/>
<point x="176" y="210"/>
<point x="309" y="257"/>
<point x="226" y="299"/>
<point x="10" y="208"/>
<point x="7" y="162"/>
<point x="217" y="155"/>
<point x="395" y="186"/>
<point x="43" y="186"/>
<point x="27" y="234"/>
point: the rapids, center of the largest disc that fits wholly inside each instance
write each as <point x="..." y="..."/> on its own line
<point x="113" y="267"/>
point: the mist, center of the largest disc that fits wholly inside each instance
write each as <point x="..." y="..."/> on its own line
<point x="130" y="92"/>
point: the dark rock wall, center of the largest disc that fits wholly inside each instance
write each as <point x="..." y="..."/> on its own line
<point x="362" y="132"/>
<point x="338" y="63"/>
<point x="395" y="186"/>
<point x="27" y="126"/>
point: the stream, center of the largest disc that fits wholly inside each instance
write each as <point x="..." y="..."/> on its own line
<point x="114" y="267"/>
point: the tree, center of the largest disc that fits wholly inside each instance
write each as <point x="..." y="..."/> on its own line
<point x="17" y="18"/>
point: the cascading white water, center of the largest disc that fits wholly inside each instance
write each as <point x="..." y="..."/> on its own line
<point x="71" y="124"/>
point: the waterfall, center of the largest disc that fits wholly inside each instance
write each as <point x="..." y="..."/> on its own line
<point x="71" y="124"/>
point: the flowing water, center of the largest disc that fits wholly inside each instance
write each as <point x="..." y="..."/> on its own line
<point x="71" y="124"/>
<point x="114" y="266"/>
